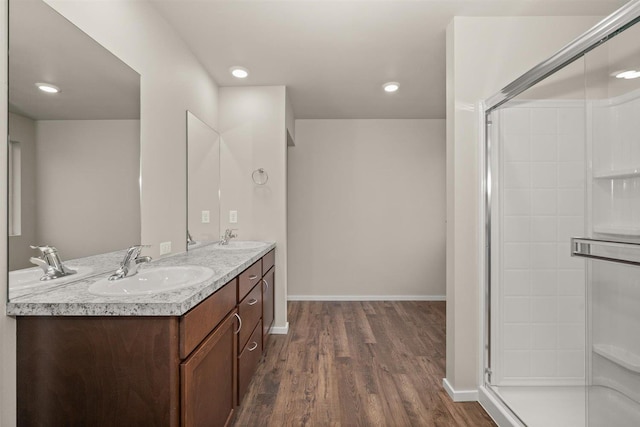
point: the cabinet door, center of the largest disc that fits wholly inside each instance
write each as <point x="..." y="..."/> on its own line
<point x="268" y="297"/>
<point x="208" y="378"/>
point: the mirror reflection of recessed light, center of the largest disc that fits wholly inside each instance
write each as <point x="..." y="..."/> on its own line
<point x="48" y="88"/>
<point x="630" y="74"/>
<point x="391" y="87"/>
<point x="239" y="72"/>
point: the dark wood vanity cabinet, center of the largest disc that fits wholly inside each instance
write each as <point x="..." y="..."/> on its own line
<point x="191" y="370"/>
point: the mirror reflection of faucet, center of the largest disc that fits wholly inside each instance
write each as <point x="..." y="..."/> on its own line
<point x="228" y="235"/>
<point x="49" y="261"/>
<point x="130" y="263"/>
<point x="190" y="240"/>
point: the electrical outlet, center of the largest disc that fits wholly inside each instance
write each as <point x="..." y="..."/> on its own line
<point x="165" y="248"/>
<point x="206" y="217"/>
<point x="233" y="217"/>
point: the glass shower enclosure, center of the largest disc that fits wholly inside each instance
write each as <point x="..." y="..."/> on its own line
<point x="562" y="288"/>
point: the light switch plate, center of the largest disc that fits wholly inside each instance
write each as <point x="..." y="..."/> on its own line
<point x="206" y="217"/>
<point x="165" y="248"/>
<point x="233" y="217"/>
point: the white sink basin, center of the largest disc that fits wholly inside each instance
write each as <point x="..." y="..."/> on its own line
<point x="153" y="280"/>
<point x="30" y="277"/>
<point x="239" y="244"/>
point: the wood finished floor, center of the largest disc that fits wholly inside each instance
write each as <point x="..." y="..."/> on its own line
<point x="357" y="364"/>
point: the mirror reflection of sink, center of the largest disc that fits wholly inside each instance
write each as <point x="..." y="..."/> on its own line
<point x="30" y="277"/>
<point x="239" y="244"/>
<point x="153" y="280"/>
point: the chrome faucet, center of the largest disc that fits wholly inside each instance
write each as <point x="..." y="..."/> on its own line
<point x="228" y="235"/>
<point x="50" y="263"/>
<point x="130" y="263"/>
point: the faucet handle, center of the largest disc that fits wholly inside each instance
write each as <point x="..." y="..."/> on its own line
<point x="132" y="253"/>
<point x="136" y="249"/>
<point x="45" y="249"/>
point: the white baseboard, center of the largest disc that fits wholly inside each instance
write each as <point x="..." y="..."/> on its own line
<point x="460" y="395"/>
<point x="280" y="330"/>
<point x="496" y="410"/>
<point x="366" y="297"/>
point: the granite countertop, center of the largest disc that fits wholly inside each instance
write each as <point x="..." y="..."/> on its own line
<point x="73" y="299"/>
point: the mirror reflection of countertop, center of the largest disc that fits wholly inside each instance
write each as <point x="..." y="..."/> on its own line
<point x="74" y="299"/>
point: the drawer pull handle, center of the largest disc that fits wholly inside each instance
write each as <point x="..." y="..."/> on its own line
<point x="253" y="277"/>
<point x="254" y="345"/>
<point x="239" y="323"/>
<point x="266" y="283"/>
<point x="253" y="301"/>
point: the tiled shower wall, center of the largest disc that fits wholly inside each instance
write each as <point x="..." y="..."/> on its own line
<point x="541" y="321"/>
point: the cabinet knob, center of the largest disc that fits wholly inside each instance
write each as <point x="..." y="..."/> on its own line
<point x="239" y="323"/>
<point x="254" y="345"/>
<point x="253" y="277"/>
<point x="253" y="301"/>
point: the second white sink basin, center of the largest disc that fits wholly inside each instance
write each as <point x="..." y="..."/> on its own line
<point x="153" y="280"/>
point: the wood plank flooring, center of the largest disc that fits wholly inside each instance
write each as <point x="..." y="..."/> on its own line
<point x="357" y="364"/>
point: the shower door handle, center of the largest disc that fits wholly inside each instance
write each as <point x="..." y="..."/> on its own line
<point x="606" y="250"/>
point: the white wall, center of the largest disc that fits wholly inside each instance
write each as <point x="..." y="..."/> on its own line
<point x="94" y="167"/>
<point x="366" y="209"/>
<point x="253" y="135"/>
<point x="483" y="55"/>
<point x="172" y="81"/>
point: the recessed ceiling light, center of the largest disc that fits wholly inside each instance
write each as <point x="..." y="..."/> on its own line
<point x="630" y="74"/>
<point x="391" y="86"/>
<point x="48" y="88"/>
<point x="239" y="72"/>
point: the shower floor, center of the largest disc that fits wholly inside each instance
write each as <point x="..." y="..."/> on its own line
<point x="546" y="406"/>
<point x="566" y="406"/>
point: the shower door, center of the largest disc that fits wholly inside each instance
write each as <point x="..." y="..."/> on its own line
<point x="563" y="256"/>
<point x="612" y="77"/>
<point x="538" y="199"/>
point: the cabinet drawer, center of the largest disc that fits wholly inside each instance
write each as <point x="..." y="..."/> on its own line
<point x="196" y="324"/>
<point x="268" y="261"/>
<point x="248" y="279"/>
<point x="248" y="361"/>
<point x="250" y="311"/>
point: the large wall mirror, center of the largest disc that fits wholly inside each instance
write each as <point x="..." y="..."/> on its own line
<point x="74" y="156"/>
<point x="203" y="182"/>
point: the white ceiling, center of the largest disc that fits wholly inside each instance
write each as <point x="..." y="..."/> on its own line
<point x="45" y="47"/>
<point x="334" y="56"/>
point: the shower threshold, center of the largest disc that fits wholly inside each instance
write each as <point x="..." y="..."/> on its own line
<point x="546" y="406"/>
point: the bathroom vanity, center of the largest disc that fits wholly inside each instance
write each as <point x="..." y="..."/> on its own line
<point x="178" y="358"/>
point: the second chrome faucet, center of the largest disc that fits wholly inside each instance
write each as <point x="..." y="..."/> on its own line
<point x="130" y="263"/>
<point x="228" y="235"/>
